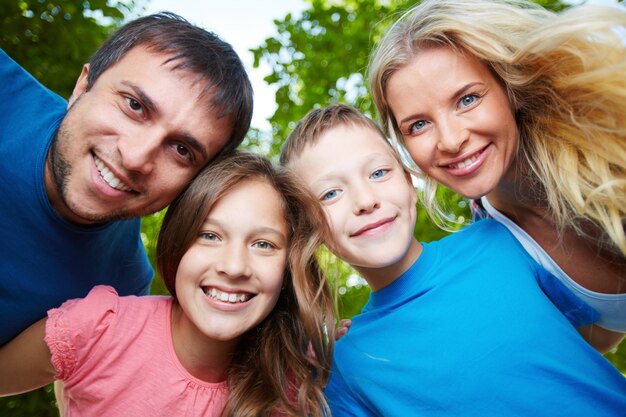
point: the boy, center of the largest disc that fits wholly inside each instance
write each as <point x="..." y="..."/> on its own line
<point x="454" y="327"/>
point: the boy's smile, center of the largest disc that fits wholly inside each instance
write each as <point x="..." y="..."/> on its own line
<point x="368" y="199"/>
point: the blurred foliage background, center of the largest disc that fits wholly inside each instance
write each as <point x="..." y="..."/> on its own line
<point x="317" y="58"/>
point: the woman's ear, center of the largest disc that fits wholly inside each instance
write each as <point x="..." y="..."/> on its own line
<point x="80" y="87"/>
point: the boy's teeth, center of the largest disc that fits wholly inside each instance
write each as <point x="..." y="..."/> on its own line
<point x="227" y="297"/>
<point x="108" y="176"/>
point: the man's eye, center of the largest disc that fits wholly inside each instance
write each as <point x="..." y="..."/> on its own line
<point x="134" y="104"/>
<point x="182" y="150"/>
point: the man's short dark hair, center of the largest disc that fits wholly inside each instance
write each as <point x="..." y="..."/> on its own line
<point x="194" y="49"/>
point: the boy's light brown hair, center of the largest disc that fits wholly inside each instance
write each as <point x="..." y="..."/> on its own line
<point x="319" y="121"/>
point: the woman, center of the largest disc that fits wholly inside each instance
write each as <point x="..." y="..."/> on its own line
<point x="522" y="110"/>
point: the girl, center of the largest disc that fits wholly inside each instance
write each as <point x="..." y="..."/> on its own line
<point x="245" y="322"/>
<point x="522" y="110"/>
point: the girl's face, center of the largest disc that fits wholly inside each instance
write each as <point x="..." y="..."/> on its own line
<point x="456" y="120"/>
<point x="230" y="278"/>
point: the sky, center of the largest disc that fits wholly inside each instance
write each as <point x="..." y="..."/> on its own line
<point x="244" y="24"/>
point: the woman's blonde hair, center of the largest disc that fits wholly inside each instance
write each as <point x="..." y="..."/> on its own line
<point x="565" y="77"/>
<point x="283" y="363"/>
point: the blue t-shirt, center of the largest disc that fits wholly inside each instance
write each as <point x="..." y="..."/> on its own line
<point x="467" y="331"/>
<point x="44" y="259"/>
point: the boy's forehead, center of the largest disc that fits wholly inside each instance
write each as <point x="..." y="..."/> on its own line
<point x="339" y="147"/>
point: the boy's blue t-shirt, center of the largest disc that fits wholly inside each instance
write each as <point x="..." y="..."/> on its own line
<point x="44" y="259"/>
<point x="467" y="331"/>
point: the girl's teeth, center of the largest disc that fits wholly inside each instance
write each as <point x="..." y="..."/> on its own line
<point x="227" y="297"/>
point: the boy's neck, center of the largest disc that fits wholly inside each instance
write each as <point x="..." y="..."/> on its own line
<point x="379" y="278"/>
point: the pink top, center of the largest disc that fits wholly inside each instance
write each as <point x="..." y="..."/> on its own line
<point x="116" y="358"/>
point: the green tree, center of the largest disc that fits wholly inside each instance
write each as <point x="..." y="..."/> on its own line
<point x="319" y="58"/>
<point x="52" y="40"/>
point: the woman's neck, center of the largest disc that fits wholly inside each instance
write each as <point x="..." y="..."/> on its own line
<point x="518" y="195"/>
<point x="205" y="358"/>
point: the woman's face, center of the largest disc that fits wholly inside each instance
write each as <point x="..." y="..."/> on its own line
<point x="456" y="120"/>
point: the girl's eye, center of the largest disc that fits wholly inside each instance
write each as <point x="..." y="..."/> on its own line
<point x="468" y="100"/>
<point x="330" y="195"/>
<point x="263" y="244"/>
<point x="379" y="173"/>
<point x="209" y="236"/>
<point x="417" y="126"/>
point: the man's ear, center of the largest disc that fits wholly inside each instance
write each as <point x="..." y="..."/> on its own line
<point x="80" y="87"/>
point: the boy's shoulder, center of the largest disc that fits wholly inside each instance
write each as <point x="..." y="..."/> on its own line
<point x="482" y="232"/>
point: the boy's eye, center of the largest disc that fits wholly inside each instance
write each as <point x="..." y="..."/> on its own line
<point x="379" y="173"/>
<point x="263" y="244"/>
<point x="417" y="126"/>
<point x="330" y="195"/>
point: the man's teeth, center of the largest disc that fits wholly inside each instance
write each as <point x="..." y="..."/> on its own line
<point x="227" y="297"/>
<point x="465" y="163"/>
<point x="108" y="176"/>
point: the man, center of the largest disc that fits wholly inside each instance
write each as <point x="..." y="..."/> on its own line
<point x="158" y="101"/>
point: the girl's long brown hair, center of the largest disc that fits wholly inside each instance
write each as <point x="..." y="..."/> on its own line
<point x="282" y="364"/>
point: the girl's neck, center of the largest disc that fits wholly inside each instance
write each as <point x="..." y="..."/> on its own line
<point x="205" y="358"/>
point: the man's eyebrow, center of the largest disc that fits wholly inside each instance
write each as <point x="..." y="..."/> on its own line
<point x="152" y="106"/>
<point x="145" y="99"/>
<point x="194" y="143"/>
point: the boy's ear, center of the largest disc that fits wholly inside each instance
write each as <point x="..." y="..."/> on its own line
<point x="80" y="87"/>
<point x="409" y="179"/>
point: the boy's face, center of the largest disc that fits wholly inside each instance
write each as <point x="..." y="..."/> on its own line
<point x="368" y="199"/>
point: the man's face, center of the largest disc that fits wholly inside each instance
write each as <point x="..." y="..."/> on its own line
<point x="132" y="142"/>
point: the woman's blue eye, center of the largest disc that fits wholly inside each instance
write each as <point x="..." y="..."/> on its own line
<point x="468" y="100"/>
<point x="417" y="126"/>
<point x="330" y="195"/>
<point x="379" y="173"/>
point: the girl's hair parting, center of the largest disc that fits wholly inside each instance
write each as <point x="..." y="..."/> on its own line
<point x="283" y="363"/>
<point x="564" y="74"/>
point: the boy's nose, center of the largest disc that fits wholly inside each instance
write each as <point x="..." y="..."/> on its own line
<point x="365" y="200"/>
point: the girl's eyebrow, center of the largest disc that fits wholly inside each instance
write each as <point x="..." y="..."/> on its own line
<point x="209" y="223"/>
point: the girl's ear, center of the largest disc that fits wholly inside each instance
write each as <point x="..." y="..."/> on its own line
<point x="80" y="87"/>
